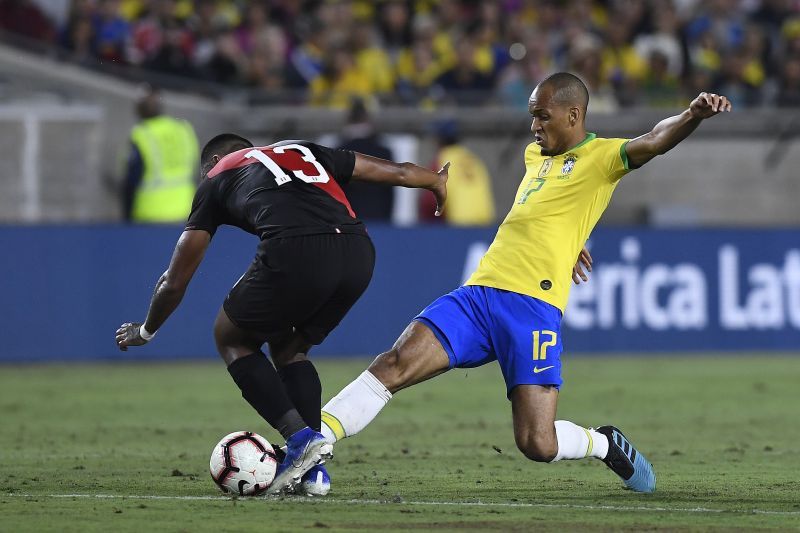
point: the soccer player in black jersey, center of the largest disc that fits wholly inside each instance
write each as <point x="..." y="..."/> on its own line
<point x="314" y="261"/>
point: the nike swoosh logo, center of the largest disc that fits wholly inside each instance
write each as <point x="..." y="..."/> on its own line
<point x="536" y="370"/>
<point x="299" y="464"/>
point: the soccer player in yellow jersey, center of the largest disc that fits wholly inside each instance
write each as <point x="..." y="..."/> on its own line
<point x="510" y="309"/>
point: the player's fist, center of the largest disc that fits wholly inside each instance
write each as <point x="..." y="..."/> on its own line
<point x="707" y="105"/>
<point x="129" y="334"/>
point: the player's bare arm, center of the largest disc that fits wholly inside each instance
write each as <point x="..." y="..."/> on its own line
<point x="170" y="288"/>
<point x="670" y="131"/>
<point x="376" y="170"/>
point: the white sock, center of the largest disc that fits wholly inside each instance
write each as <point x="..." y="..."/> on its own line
<point x="576" y="442"/>
<point x="354" y="407"/>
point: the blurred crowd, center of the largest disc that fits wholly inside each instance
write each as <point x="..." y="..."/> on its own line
<point x="437" y="52"/>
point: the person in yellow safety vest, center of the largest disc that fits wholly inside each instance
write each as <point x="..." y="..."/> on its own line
<point x="160" y="178"/>
<point x="470" y="201"/>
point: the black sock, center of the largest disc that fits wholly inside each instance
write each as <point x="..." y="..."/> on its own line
<point x="263" y="389"/>
<point x="305" y="390"/>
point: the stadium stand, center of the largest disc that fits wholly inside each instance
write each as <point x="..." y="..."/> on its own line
<point x="429" y="53"/>
<point x="643" y="57"/>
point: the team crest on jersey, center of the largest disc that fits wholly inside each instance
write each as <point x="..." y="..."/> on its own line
<point x="569" y="165"/>
<point x="546" y="166"/>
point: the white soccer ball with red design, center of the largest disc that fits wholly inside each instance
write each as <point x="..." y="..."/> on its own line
<point x="243" y="463"/>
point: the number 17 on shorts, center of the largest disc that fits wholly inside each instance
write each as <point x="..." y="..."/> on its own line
<point x="545" y="355"/>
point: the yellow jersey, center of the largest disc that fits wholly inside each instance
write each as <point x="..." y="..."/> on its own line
<point x="470" y="201"/>
<point x="557" y="205"/>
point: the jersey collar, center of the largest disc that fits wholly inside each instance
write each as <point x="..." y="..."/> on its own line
<point x="589" y="137"/>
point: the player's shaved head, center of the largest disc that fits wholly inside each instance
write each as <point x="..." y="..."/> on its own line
<point x="221" y="145"/>
<point x="558" y="107"/>
<point x="567" y="89"/>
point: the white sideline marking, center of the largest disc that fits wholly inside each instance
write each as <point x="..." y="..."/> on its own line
<point x="421" y="503"/>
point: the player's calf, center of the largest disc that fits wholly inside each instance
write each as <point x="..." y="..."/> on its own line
<point x="539" y="447"/>
<point x="416" y="356"/>
<point x="388" y="368"/>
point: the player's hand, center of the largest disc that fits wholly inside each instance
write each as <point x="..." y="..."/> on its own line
<point x="128" y="335"/>
<point x="439" y="189"/>
<point x="584" y="261"/>
<point x="706" y="105"/>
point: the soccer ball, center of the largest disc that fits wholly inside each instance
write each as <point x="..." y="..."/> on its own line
<point x="243" y="463"/>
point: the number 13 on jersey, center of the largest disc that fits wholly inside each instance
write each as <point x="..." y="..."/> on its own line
<point x="282" y="177"/>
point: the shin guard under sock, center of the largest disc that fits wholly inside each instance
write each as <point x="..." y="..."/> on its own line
<point x="303" y="386"/>
<point x="263" y="389"/>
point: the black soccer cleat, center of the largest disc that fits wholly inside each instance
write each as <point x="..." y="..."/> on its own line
<point x="627" y="462"/>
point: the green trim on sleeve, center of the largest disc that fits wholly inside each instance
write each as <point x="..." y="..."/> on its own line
<point x="623" y="154"/>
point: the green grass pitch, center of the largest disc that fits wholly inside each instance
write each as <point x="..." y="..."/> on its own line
<point x="125" y="447"/>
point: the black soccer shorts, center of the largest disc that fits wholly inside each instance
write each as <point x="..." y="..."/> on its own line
<point x="305" y="284"/>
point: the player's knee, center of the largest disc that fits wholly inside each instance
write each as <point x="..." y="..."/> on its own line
<point x="231" y="343"/>
<point x="536" y="447"/>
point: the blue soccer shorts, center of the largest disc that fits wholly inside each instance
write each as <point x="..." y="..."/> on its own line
<point x="477" y="325"/>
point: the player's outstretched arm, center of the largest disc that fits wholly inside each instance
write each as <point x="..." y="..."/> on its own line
<point x="670" y="131"/>
<point x="170" y="288"/>
<point x="376" y="170"/>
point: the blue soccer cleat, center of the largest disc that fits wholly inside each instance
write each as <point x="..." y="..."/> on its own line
<point x="315" y="482"/>
<point x="304" y="450"/>
<point x="627" y="462"/>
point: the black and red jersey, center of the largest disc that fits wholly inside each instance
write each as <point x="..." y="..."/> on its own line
<point x="286" y="189"/>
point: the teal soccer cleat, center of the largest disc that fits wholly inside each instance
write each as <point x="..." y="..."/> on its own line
<point x="627" y="462"/>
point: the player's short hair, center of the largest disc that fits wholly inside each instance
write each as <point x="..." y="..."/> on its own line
<point x="222" y="144"/>
<point x="567" y="89"/>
